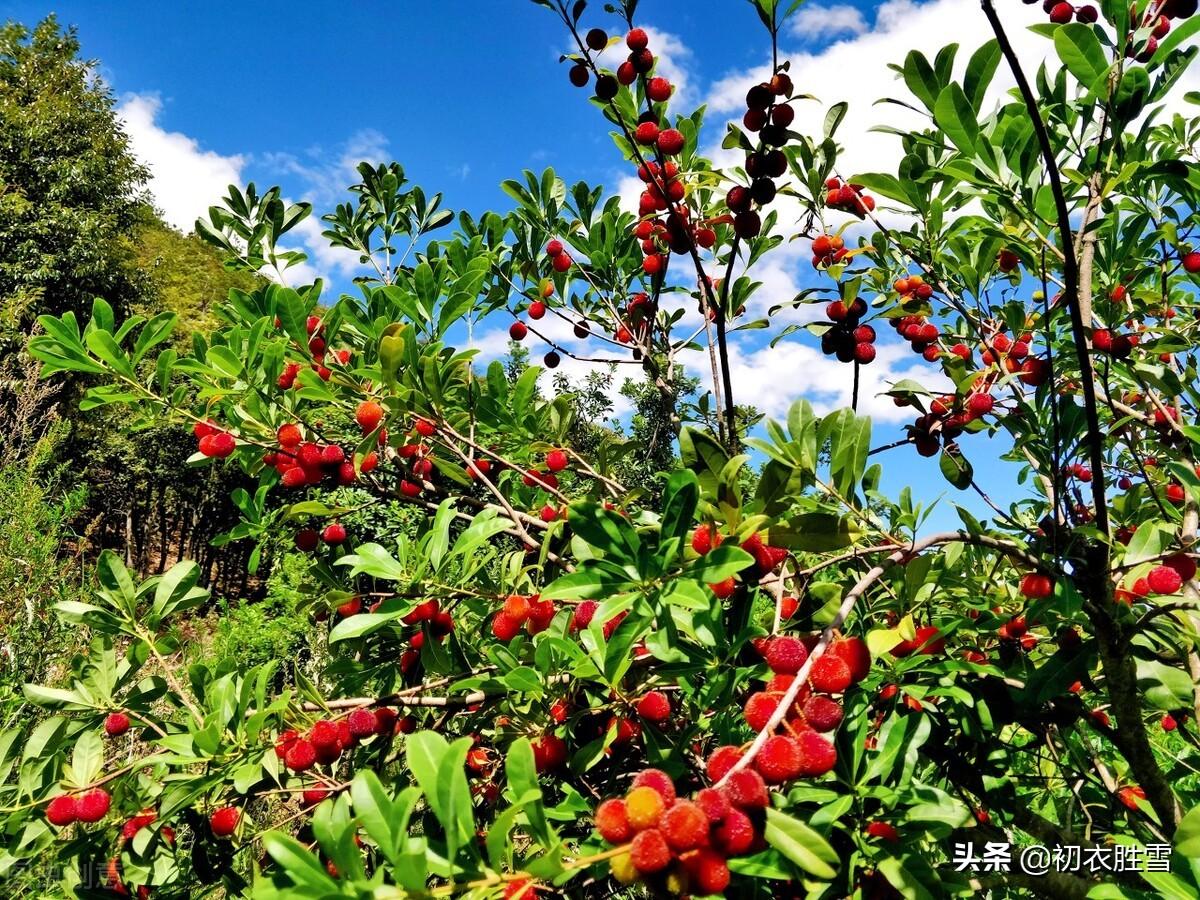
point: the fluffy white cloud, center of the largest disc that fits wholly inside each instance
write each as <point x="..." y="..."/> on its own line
<point x="184" y="178"/>
<point x="772" y="379"/>
<point x="814" y="21"/>
<point x="325" y="175"/>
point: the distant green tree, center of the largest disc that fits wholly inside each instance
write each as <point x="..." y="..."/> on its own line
<point x="183" y="275"/>
<point x="70" y="188"/>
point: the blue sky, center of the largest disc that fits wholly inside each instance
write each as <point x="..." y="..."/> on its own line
<point x="464" y="95"/>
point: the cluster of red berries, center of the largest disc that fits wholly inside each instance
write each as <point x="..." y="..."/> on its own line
<point x="676" y="233"/>
<point x="947" y="417"/>
<point x="316" y="346"/>
<point x="846" y="339"/>
<point x="921" y="334"/>
<point x="848" y="197"/>
<point x="327" y="740"/>
<point x="301" y="463"/>
<point x="767" y="559"/>
<point x="1157" y="17"/>
<point x="1061" y="12"/>
<point x="429" y="619"/>
<point x="520" y="611"/>
<point x="798" y="748"/>
<point x="1113" y="342"/>
<point x="828" y="250"/>
<point x="212" y="440"/>
<point x="1162" y="580"/>
<point x="586" y="611"/>
<point x="769" y="115"/>
<point x="89" y="806"/>
<point x="681" y="844"/>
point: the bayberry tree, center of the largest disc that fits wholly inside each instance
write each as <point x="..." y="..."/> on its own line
<point x="762" y="678"/>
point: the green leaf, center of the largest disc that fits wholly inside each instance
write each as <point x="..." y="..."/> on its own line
<point x="373" y="560"/>
<point x="363" y="624"/>
<point x="956" y="117"/>
<point x="956" y="469"/>
<point x="88" y="758"/>
<point x="604" y="529"/>
<point x="1187" y="834"/>
<point x="980" y="71"/>
<point x="719" y="563"/>
<point x="1178" y="34"/>
<point x="1080" y="50"/>
<point x="175" y="586"/>
<point x="301" y="866"/>
<point x="521" y="771"/>
<point x="679" y="504"/>
<point x="801" y="844"/>
<point x="814" y="532"/>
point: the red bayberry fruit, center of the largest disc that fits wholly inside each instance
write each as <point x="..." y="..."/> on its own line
<point x="670" y="141"/>
<point x="582" y="617"/>
<point x="556" y="460"/>
<point x="882" y="830"/>
<point x="368" y="415"/>
<point x="289" y="436"/>
<point x="685" y="826"/>
<point x="361" y="722"/>
<point x="612" y="822"/>
<point x="786" y="654"/>
<point x="822" y="713"/>
<point x="62" y="810"/>
<point x="93" y="805"/>
<point x="224" y="821"/>
<point x="779" y="760"/>
<point x="759" y="708"/>
<point x="116" y="724"/>
<point x="644" y="807"/>
<point x="659" y="781"/>
<point x="300" y="756"/>
<point x="747" y="790"/>
<point x="649" y="851"/>
<point x="596" y="39"/>
<point x="637" y="40"/>
<point x="830" y="674"/>
<point x="1129" y="796"/>
<point x="549" y="752"/>
<point x="334" y="534"/>
<point x="517" y="331"/>
<point x="721" y="760"/>
<point x="818" y="755"/>
<point x="735" y="835"/>
<point x="646" y="133"/>
<point x="1036" y="586"/>
<point x="654" y="707"/>
<point x="1164" y="580"/>
<point x="854" y="653"/>
<point x="505" y="627"/>
<point x="1191" y="262"/>
<point x="658" y="89"/>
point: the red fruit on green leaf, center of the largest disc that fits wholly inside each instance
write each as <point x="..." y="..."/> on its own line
<point x="224" y="821"/>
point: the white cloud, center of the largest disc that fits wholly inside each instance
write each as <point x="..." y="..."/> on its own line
<point x="772" y="379"/>
<point x="824" y="21"/>
<point x="185" y="180"/>
<point x="325" y="175"/>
